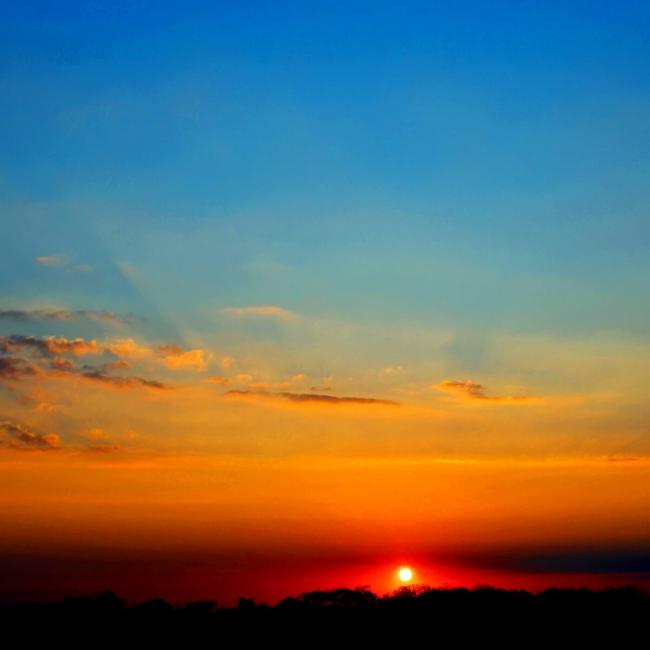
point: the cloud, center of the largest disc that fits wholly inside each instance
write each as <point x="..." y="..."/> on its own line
<point x="14" y="368"/>
<point x="128" y="348"/>
<point x="98" y="375"/>
<point x="49" y="360"/>
<point x="53" y="261"/>
<point x="472" y="390"/>
<point x="464" y="386"/>
<point x="174" y="358"/>
<point x="309" y="397"/>
<point x="172" y="355"/>
<point x="50" y="345"/>
<point x="261" y="310"/>
<point x="120" y="364"/>
<point x="20" y="437"/>
<point x="61" y="262"/>
<point x="170" y="350"/>
<point x="98" y="316"/>
<point x="60" y="363"/>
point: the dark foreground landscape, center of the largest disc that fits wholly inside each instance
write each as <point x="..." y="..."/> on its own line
<point x="341" y="617"/>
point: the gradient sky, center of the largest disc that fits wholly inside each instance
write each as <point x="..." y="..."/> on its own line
<point x="292" y="294"/>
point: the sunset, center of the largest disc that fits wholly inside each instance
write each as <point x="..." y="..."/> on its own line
<point x="302" y="297"/>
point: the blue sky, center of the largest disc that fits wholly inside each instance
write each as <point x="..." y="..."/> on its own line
<point x="435" y="163"/>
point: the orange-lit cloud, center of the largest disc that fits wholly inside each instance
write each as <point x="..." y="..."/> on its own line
<point x="53" y="345"/>
<point x="60" y="363"/>
<point x="472" y="390"/>
<point x="14" y="368"/>
<point x="308" y="397"/>
<point x="48" y="345"/>
<point x="119" y="364"/>
<point x="128" y="348"/>
<point x="174" y="357"/>
<point x="47" y="359"/>
<point x="19" y="436"/>
<point x="64" y="369"/>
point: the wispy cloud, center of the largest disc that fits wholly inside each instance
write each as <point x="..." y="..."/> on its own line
<point x="469" y="389"/>
<point x="61" y="262"/>
<point x="54" y="261"/>
<point x="308" y="397"/>
<point x="65" y="369"/>
<point x="100" y="316"/>
<point x="261" y="310"/>
<point x="100" y="376"/>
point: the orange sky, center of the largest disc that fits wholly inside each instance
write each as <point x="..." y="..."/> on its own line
<point x="136" y="464"/>
<point x="289" y="496"/>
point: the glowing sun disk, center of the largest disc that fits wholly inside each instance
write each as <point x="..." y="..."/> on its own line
<point x="405" y="574"/>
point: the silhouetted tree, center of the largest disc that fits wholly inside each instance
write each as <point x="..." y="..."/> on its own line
<point x="245" y="603"/>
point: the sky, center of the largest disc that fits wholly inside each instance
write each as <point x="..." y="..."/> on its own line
<point x="294" y="294"/>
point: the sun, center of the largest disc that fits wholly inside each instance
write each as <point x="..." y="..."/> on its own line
<point x="405" y="574"/>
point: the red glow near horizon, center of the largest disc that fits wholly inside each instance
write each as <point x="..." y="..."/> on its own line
<point x="269" y="582"/>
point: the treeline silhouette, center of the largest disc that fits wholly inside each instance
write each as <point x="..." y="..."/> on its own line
<point x="422" y="613"/>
